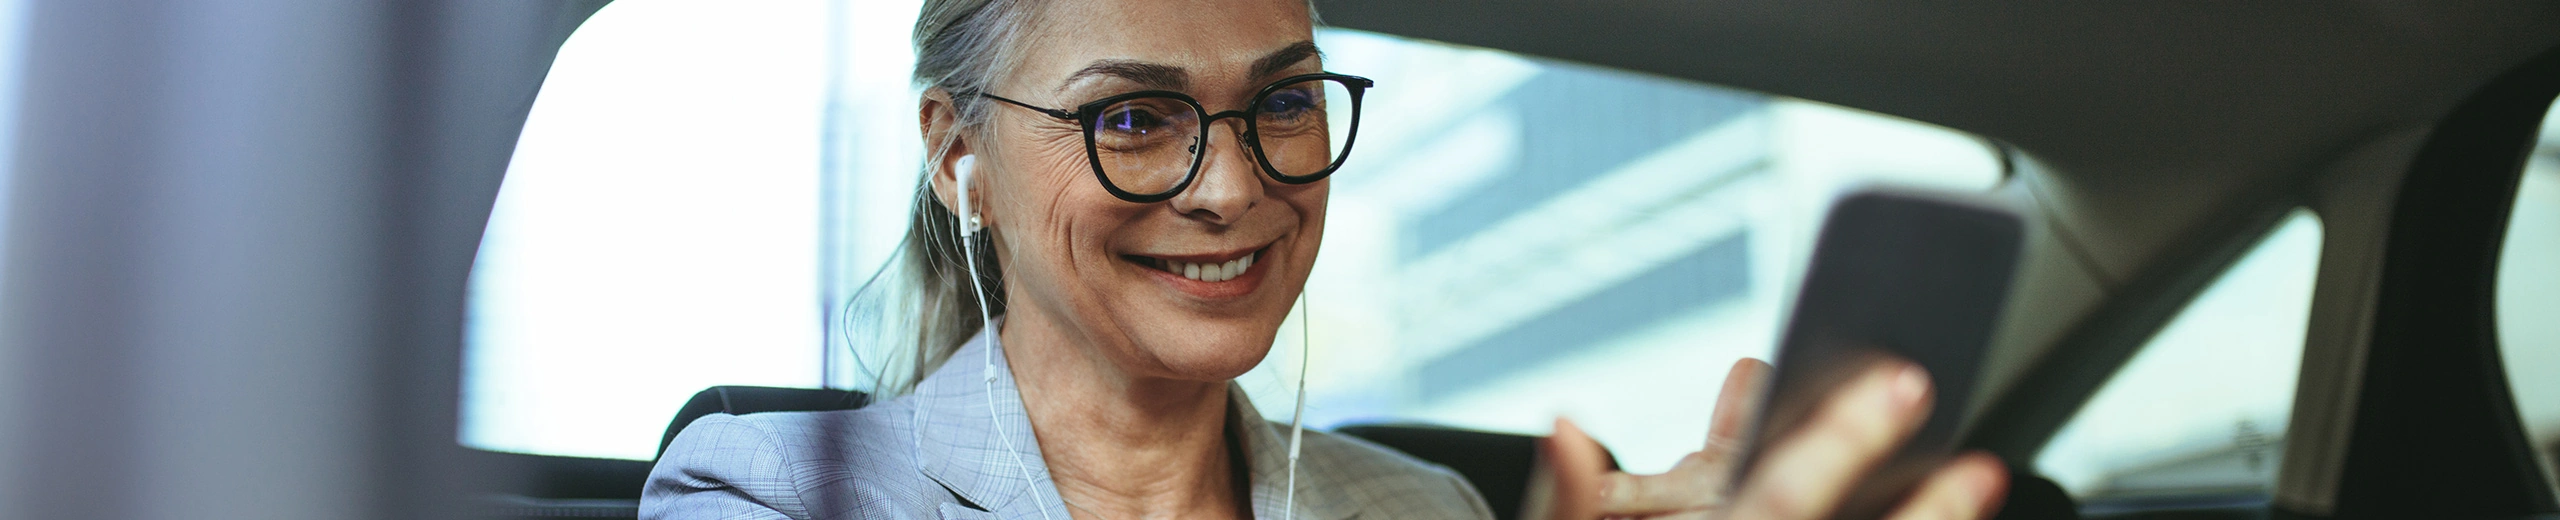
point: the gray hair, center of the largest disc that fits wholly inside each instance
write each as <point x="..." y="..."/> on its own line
<point x="917" y="310"/>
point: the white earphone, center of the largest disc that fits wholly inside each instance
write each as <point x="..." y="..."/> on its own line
<point x="965" y="169"/>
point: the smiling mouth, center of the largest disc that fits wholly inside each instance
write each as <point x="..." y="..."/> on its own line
<point x="1206" y="270"/>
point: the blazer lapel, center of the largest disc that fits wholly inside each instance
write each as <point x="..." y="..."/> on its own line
<point x="1267" y="454"/>
<point x="972" y="436"/>
<point x="951" y="511"/>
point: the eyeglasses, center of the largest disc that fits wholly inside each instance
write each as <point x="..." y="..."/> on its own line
<point x="1146" y="146"/>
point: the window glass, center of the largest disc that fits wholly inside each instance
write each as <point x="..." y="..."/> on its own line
<point x="1513" y="238"/>
<point x="2529" y="296"/>
<point x="657" y="230"/>
<point x="2202" y="408"/>
<point x="1517" y="239"/>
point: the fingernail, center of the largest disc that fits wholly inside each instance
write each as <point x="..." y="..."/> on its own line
<point x="1910" y="384"/>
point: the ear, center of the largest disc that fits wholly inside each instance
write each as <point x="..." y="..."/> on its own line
<point x="944" y="144"/>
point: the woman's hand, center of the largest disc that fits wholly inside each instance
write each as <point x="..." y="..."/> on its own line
<point x="1804" y="476"/>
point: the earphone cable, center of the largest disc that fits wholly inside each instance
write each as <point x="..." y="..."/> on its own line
<point x="987" y="328"/>
<point x="1297" y="419"/>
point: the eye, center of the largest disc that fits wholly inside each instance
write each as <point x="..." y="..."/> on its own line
<point x="1132" y="119"/>
<point x="1288" y="102"/>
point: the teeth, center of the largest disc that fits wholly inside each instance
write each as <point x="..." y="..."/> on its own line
<point x="1215" y="272"/>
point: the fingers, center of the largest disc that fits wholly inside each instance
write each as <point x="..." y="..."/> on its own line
<point x="1575" y="464"/>
<point x="1804" y="475"/>
<point x="1967" y="488"/>
<point x="1696" y="483"/>
<point x="1736" y="405"/>
<point x="1699" y="481"/>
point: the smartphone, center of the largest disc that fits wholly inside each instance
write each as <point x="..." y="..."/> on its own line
<point x="1895" y="274"/>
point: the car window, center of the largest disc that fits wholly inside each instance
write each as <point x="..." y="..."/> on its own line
<point x="1530" y="228"/>
<point x="2529" y="296"/>
<point x="657" y="232"/>
<point x="2201" y="410"/>
<point x="701" y="180"/>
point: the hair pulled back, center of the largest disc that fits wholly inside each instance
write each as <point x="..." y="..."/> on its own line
<point x="916" y="311"/>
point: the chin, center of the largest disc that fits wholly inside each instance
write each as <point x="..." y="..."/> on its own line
<point x="1214" y="354"/>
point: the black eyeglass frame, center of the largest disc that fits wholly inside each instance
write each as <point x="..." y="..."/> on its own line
<point x="1086" y="115"/>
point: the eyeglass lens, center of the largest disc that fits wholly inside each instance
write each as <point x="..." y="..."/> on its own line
<point x="1147" y="146"/>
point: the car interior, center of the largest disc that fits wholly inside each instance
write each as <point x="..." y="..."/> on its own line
<point x="2150" y="146"/>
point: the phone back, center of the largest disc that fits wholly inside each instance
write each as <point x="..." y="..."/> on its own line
<point x="1920" y="277"/>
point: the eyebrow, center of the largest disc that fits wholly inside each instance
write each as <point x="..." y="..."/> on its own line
<point x="1168" y="77"/>
<point x="1151" y="75"/>
<point x="1284" y="58"/>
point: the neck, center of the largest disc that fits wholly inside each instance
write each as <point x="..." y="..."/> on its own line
<point x="1119" y="445"/>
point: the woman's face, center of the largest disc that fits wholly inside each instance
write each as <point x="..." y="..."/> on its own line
<point x="1109" y="272"/>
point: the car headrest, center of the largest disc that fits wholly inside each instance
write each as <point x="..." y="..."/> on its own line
<point x="1497" y="464"/>
<point x="742" y="400"/>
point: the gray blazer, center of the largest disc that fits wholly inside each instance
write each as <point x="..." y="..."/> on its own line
<point x="936" y="453"/>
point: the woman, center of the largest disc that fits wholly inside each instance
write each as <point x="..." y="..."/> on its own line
<point x="1141" y="187"/>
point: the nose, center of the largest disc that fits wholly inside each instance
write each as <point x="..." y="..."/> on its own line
<point x="1230" y="182"/>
